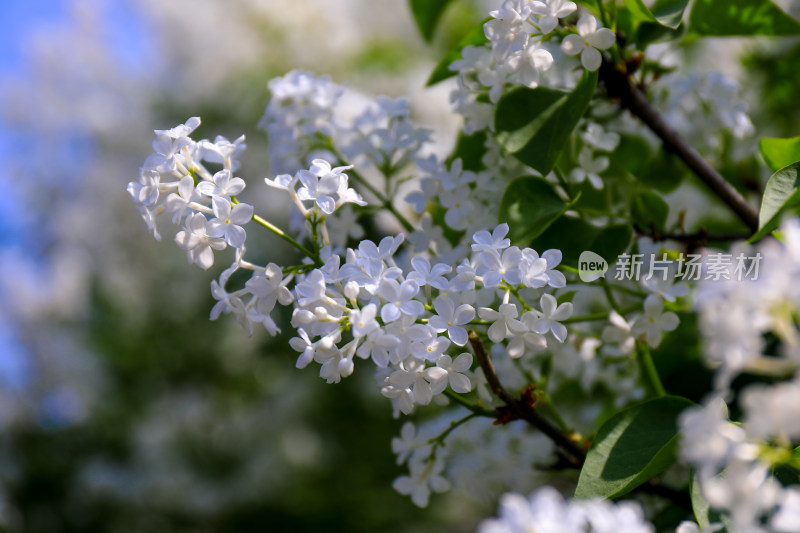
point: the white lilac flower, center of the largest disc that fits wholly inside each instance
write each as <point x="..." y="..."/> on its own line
<point x="540" y="271"/>
<point x="491" y="242"/>
<point x="527" y="67"/>
<point x="499" y="268"/>
<point x="335" y="365"/>
<point x="410" y="443"/>
<point x="425" y="274"/>
<point x="399" y="298"/>
<point x="552" y="313"/>
<point x="199" y="246"/>
<point x="179" y="204"/>
<point x="710" y="440"/>
<point x="787" y="518"/>
<point x="381" y="346"/>
<point x="426" y="476"/>
<point x="473" y="59"/>
<point x="268" y="286"/>
<point x="145" y="191"/>
<point x="310" y="290"/>
<point x="619" y="332"/>
<point x="149" y="217"/>
<point x="228" y="302"/>
<point x="453" y="373"/>
<point x="519" y="344"/>
<point x="320" y="183"/>
<point x="546" y="511"/>
<point x="228" y="222"/>
<point x="655" y="321"/>
<point x="665" y="287"/>
<point x="412" y="374"/>
<point x="222" y="151"/>
<point x="425" y="344"/>
<point x="771" y="411"/>
<point x="590" y="167"/>
<point x="223" y="185"/>
<point x="459" y="205"/>
<point x="508" y="30"/>
<point x="588" y="42"/>
<point x="166" y="152"/>
<point x="303" y="345"/>
<point x="181" y="130"/>
<point x="505" y="322"/>
<point x="362" y="321"/>
<point x="550" y="11"/>
<point x="451" y="319"/>
<point x="596" y="137"/>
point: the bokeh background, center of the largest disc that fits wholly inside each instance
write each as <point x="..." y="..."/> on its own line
<point x="122" y="407"/>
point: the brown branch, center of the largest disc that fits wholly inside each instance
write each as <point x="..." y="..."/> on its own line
<point x="525" y="411"/>
<point x="520" y="409"/>
<point x="700" y="237"/>
<point x="618" y="85"/>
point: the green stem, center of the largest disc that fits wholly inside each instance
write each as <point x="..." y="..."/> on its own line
<point x="603" y="15"/>
<point x="650" y="378"/>
<point x="439" y="440"/>
<point x="476" y="409"/>
<point x="600" y="316"/>
<point x="386" y="202"/>
<point x="280" y="233"/>
<point x="609" y="295"/>
<point x="562" y="179"/>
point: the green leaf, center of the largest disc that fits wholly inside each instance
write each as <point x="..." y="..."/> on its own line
<point x="535" y="124"/>
<point x="779" y="153"/>
<point x="703" y="513"/>
<point x="566" y="297"/>
<point x="470" y="148"/>
<point x="632" y="447"/>
<point x="740" y="17"/>
<point x="530" y="206"/>
<point x="664" y="171"/>
<point x="475" y="37"/>
<point x="780" y="193"/>
<point x="648" y="210"/>
<point x="427" y="14"/>
<point x="652" y="32"/>
<point x="665" y="12"/>
<point x="573" y="236"/>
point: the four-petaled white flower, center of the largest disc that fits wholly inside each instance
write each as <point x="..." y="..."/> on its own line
<point x="590" y="167"/>
<point x="425" y="274"/>
<point x="228" y="222"/>
<point x="198" y="244"/>
<point x="655" y="321"/>
<point x="505" y="322"/>
<point x="426" y="476"/>
<point x="362" y="321"/>
<point x="619" y="332"/>
<point x="452" y="372"/>
<point x="399" y="299"/>
<point x="451" y="319"/>
<point x="224" y="185"/>
<point x="552" y="313"/>
<point x="550" y="11"/>
<point x="411" y="442"/>
<point x="588" y="42"/>
<point x="145" y="191"/>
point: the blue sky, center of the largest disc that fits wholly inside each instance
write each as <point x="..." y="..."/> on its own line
<point x="19" y="19"/>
